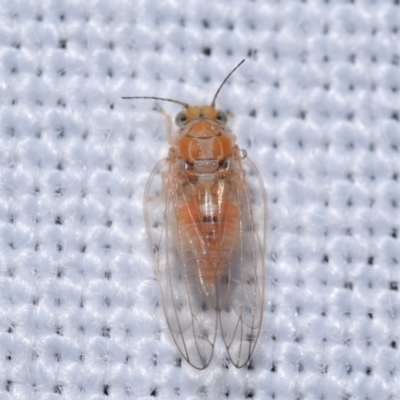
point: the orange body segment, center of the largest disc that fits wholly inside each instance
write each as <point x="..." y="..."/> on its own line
<point x="222" y="147"/>
<point x="202" y="128"/>
<point x="214" y="148"/>
<point x="211" y="232"/>
<point x="188" y="149"/>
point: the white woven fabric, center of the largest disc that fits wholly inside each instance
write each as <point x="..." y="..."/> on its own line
<point x="316" y="105"/>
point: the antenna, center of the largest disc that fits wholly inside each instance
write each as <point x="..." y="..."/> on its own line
<point x="186" y="105"/>
<point x="223" y="83"/>
<point x="157" y="98"/>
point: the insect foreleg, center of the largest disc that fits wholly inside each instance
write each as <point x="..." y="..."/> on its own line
<point x="168" y="121"/>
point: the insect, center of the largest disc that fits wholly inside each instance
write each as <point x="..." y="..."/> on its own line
<point x="206" y="215"/>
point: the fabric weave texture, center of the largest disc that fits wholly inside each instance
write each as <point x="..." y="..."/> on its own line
<point x="317" y="107"/>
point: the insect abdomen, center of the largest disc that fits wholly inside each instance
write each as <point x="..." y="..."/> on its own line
<point x="209" y="227"/>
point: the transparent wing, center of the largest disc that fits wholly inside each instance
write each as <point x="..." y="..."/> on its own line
<point x="189" y="311"/>
<point x="154" y="205"/>
<point x="241" y="289"/>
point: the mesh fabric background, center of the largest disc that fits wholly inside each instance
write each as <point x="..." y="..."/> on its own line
<point x="316" y="105"/>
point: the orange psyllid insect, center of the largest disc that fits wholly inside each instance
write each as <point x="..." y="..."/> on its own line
<point x="205" y="212"/>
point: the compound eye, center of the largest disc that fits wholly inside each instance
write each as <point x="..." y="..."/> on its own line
<point x="181" y="118"/>
<point x="222" y="118"/>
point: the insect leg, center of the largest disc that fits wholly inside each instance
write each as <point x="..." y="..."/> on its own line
<point x="169" y="125"/>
